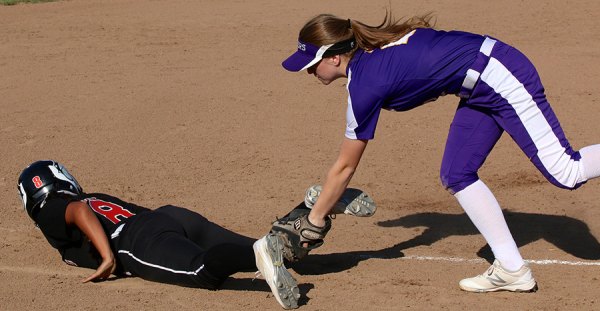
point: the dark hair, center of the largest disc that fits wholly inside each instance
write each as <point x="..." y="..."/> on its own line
<point x="326" y="29"/>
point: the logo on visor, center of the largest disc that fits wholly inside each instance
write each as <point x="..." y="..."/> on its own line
<point x="301" y="46"/>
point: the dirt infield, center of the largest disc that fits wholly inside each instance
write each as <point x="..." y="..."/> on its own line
<point x="185" y="102"/>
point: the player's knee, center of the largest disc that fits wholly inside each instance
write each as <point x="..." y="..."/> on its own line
<point x="223" y="260"/>
<point x="569" y="175"/>
<point x="570" y="185"/>
<point x="564" y="170"/>
<point x="205" y="279"/>
<point x="454" y="183"/>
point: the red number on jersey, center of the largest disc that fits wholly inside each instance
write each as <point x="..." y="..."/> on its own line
<point x="109" y="210"/>
<point x="37" y="182"/>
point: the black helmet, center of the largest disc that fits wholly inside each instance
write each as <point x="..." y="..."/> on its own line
<point x="42" y="179"/>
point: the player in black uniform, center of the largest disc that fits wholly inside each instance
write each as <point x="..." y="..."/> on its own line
<point x="169" y="244"/>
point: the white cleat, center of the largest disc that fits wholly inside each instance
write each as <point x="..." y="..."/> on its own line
<point x="497" y="278"/>
<point x="269" y="260"/>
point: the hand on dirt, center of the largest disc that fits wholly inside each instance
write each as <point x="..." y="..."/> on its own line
<point x="106" y="268"/>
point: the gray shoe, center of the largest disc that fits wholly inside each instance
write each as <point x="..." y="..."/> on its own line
<point x="353" y="202"/>
<point x="269" y="260"/>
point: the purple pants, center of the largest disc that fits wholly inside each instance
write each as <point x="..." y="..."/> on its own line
<point x="503" y="92"/>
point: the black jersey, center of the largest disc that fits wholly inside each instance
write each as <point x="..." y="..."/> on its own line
<point x="169" y="244"/>
<point x="71" y="243"/>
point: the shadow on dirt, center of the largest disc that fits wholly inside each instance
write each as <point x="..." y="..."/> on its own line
<point x="260" y="285"/>
<point x="245" y="284"/>
<point x="332" y="263"/>
<point x="568" y="234"/>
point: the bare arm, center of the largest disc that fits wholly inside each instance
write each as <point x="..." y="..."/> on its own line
<point x="80" y="215"/>
<point x="338" y="178"/>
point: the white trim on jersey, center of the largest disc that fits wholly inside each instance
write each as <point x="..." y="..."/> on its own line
<point x="117" y="231"/>
<point x="403" y="40"/>
<point x="160" y="267"/>
<point x="351" y="123"/>
<point x="553" y="156"/>
<point x="486" y="46"/>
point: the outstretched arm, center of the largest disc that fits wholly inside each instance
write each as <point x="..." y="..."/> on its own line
<point x="80" y="215"/>
<point x="338" y="178"/>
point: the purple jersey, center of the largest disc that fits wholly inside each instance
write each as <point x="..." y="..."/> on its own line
<point x="418" y="68"/>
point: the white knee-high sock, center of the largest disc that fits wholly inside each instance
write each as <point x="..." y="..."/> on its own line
<point x="484" y="211"/>
<point x="590" y="157"/>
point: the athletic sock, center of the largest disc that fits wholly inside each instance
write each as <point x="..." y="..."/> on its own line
<point x="484" y="211"/>
<point x="590" y="157"/>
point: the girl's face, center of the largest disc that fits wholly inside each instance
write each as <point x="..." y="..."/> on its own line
<point x="328" y="69"/>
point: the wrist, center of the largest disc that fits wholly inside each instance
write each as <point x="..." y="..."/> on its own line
<point x="316" y="220"/>
<point x="108" y="257"/>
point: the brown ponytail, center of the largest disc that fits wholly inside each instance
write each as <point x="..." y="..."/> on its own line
<point x="328" y="29"/>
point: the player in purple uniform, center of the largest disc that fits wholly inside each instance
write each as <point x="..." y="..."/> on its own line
<point x="401" y="65"/>
<point x="169" y="244"/>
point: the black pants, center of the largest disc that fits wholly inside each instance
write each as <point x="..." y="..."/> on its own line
<point x="177" y="246"/>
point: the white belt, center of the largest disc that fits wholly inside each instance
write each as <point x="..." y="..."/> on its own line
<point x="473" y="74"/>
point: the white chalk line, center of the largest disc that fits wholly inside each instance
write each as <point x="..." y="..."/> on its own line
<point x="530" y="261"/>
<point x="35" y="270"/>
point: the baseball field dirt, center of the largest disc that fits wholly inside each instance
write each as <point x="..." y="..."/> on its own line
<point x="185" y="102"/>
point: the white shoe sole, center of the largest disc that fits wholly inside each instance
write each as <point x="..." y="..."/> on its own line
<point x="354" y="202"/>
<point x="529" y="287"/>
<point x="269" y="261"/>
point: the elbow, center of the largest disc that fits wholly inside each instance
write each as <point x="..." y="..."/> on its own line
<point x="349" y="172"/>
